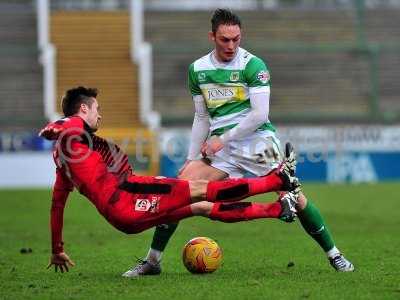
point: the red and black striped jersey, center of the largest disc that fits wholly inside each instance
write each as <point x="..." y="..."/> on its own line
<point x="116" y="160"/>
<point x="92" y="164"/>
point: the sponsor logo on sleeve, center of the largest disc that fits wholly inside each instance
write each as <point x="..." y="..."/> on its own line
<point x="201" y="77"/>
<point x="263" y="76"/>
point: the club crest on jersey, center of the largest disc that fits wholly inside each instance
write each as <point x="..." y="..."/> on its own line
<point x="234" y="76"/>
<point x="201" y="77"/>
<point x="147" y="205"/>
<point x="142" y="205"/>
<point x="263" y="76"/>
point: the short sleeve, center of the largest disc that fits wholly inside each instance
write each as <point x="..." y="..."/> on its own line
<point x="193" y="83"/>
<point x="256" y="73"/>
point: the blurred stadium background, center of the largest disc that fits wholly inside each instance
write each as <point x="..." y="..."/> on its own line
<point x="334" y="65"/>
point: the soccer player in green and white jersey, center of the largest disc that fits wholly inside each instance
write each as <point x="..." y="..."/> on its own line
<point x="231" y="93"/>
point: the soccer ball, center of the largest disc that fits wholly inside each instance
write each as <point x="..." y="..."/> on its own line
<point x="201" y="255"/>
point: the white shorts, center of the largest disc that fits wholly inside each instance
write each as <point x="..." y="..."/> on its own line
<point x="257" y="154"/>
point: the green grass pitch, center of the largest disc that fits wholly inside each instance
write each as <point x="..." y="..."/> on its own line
<point x="364" y="219"/>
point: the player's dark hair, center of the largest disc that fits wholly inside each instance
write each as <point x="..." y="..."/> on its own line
<point x="73" y="99"/>
<point x="223" y="16"/>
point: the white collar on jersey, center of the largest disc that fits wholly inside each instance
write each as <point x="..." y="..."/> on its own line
<point x="220" y="65"/>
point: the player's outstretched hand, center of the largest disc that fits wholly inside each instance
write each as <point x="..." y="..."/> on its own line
<point x="60" y="261"/>
<point x="51" y="131"/>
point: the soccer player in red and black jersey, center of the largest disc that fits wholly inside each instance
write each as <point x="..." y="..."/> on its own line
<point x="99" y="170"/>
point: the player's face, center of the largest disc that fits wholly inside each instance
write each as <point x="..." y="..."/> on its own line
<point x="92" y="116"/>
<point x="227" y="41"/>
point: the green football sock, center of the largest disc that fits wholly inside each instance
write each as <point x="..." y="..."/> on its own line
<point x="162" y="235"/>
<point x="314" y="225"/>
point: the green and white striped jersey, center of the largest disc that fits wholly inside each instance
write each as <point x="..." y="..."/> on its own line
<point x="226" y="88"/>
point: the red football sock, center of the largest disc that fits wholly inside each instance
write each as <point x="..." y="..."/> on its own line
<point x="238" y="189"/>
<point x="230" y="212"/>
